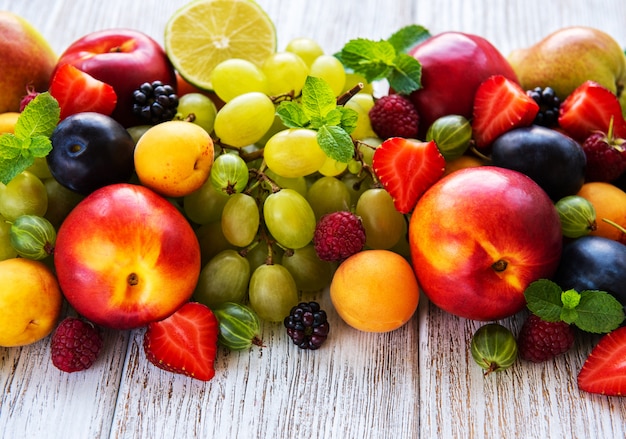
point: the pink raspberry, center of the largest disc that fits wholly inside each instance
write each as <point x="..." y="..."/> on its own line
<point x="338" y="235"/>
<point x="540" y="340"/>
<point x="76" y="344"/>
<point x="394" y="116"/>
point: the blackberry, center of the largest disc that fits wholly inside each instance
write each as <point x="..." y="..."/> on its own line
<point x="549" y="103"/>
<point x="155" y="102"/>
<point x="307" y="325"/>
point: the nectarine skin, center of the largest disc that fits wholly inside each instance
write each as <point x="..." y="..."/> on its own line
<point x="126" y="256"/>
<point x="479" y="237"/>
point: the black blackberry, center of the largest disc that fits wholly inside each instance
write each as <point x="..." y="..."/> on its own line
<point x="155" y="102"/>
<point x="549" y="103"/>
<point x="307" y="325"/>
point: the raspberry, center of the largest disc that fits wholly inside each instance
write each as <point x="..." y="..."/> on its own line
<point x="338" y="235"/>
<point x="549" y="103"/>
<point x="31" y="94"/>
<point x="155" y="102"/>
<point x="75" y="345"/>
<point x="606" y="157"/>
<point x="394" y="116"/>
<point x="540" y="340"/>
<point x="307" y="325"/>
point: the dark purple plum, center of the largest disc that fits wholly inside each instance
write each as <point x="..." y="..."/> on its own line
<point x="553" y="160"/>
<point x="593" y="263"/>
<point x="89" y="151"/>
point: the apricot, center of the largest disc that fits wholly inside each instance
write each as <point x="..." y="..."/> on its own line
<point x="375" y="291"/>
<point x="609" y="201"/>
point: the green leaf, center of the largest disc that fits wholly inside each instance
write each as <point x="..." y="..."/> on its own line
<point x="570" y="299"/>
<point x="569" y="315"/>
<point x="336" y="143"/>
<point x="10" y="146"/>
<point x="349" y="119"/>
<point x="39" y="117"/>
<point x="543" y="298"/>
<point x="333" y="117"/>
<point x="318" y="98"/>
<point x="406" y="75"/>
<point x="40" y="146"/>
<point x="598" y="312"/>
<point x="13" y="167"/>
<point x="408" y="37"/>
<point x="292" y="115"/>
<point x="372" y="59"/>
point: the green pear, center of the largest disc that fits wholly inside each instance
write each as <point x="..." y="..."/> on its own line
<point x="27" y="60"/>
<point x="570" y="56"/>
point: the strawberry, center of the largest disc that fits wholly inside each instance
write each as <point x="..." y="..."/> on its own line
<point x="606" y="156"/>
<point x="589" y="108"/>
<point x="185" y="342"/>
<point x="604" y="371"/>
<point x="407" y="168"/>
<point x="77" y="92"/>
<point x="499" y="106"/>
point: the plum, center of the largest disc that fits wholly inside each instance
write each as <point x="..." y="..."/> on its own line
<point x="553" y="160"/>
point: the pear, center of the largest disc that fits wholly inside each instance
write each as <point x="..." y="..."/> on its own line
<point x="568" y="57"/>
<point x="27" y="60"/>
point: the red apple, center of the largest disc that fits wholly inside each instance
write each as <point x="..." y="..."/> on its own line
<point x="124" y="59"/>
<point x="453" y="66"/>
<point x="479" y="237"/>
<point x="125" y="257"/>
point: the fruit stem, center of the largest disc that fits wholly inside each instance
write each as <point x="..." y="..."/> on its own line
<point x="614" y="224"/>
<point x="344" y="98"/>
<point x="479" y="154"/>
<point x="500" y="265"/>
<point x="493" y="366"/>
<point x="257" y="342"/>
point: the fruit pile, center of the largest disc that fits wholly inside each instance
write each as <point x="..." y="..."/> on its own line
<point x="199" y="196"/>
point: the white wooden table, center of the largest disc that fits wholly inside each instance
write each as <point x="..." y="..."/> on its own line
<point x="418" y="381"/>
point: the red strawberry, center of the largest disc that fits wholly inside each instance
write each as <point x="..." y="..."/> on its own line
<point x="77" y="92"/>
<point x="589" y="108"/>
<point x="185" y="342"/>
<point x="499" y="106"/>
<point x="604" y="371"/>
<point x="407" y="168"/>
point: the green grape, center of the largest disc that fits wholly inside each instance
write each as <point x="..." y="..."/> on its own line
<point x="294" y="153"/>
<point x="289" y="218"/>
<point x="260" y="254"/>
<point x="362" y="103"/>
<point x="452" y="134"/>
<point x="272" y="292"/>
<point x="277" y="126"/>
<point x="245" y="119"/>
<point x="240" y="219"/>
<point x="204" y="205"/>
<point x="25" y="194"/>
<point x="331" y="70"/>
<point x="233" y="77"/>
<point x="308" y="270"/>
<point x="354" y="166"/>
<point x="332" y="167"/>
<point x="212" y="240"/>
<point x="306" y="48"/>
<point x="201" y="107"/>
<point x="384" y="225"/>
<point x="223" y="279"/>
<point x="40" y="168"/>
<point x="286" y="73"/>
<point x="6" y="249"/>
<point x="33" y="237"/>
<point x="137" y="131"/>
<point x="328" y="194"/>
<point x="357" y="185"/>
<point x="229" y="173"/>
<point x="367" y="147"/>
<point x="61" y="201"/>
<point x="298" y="184"/>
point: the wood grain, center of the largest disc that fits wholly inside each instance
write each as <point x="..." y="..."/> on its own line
<point x="417" y="381"/>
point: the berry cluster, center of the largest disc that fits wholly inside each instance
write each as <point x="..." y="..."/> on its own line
<point x="155" y="102"/>
<point x="307" y="325"/>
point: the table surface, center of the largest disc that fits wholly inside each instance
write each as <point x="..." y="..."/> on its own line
<point x="419" y="380"/>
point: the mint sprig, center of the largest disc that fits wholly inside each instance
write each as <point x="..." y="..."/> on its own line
<point x="590" y="310"/>
<point x="31" y="138"/>
<point x="387" y="59"/>
<point x="318" y="110"/>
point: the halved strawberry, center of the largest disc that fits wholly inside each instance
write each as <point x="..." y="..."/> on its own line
<point x="589" y="108"/>
<point x="407" y="168"/>
<point x="499" y="106"/>
<point x="77" y="92"/>
<point x="185" y="342"/>
<point x="604" y="371"/>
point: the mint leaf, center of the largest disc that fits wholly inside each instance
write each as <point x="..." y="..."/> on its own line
<point x="10" y="146"/>
<point x="570" y="299"/>
<point x="40" y="146"/>
<point x="318" y="98"/>
<point x="408" y="37"/>
<point x="12" y="159"/>
<point x="349" y="119"/>
<point x="406" y="75"/>
<point x="333" y="117"/>
<point x="598" y="312"/>
<point x="39" y="117"/>
<point x="292" y="115"/>
<point x="372" y="59"/>
<point x="336" y="143"/>
<point x="543" y="298"/>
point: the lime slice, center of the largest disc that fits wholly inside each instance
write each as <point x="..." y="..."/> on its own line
<point x="204" y="33"/>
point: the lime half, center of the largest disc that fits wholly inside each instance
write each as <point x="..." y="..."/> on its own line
<point x="204" y="33"/>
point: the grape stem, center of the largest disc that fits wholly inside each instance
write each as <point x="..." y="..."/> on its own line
<point x="614" y="224"/>
<point x="344" y="98"/>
